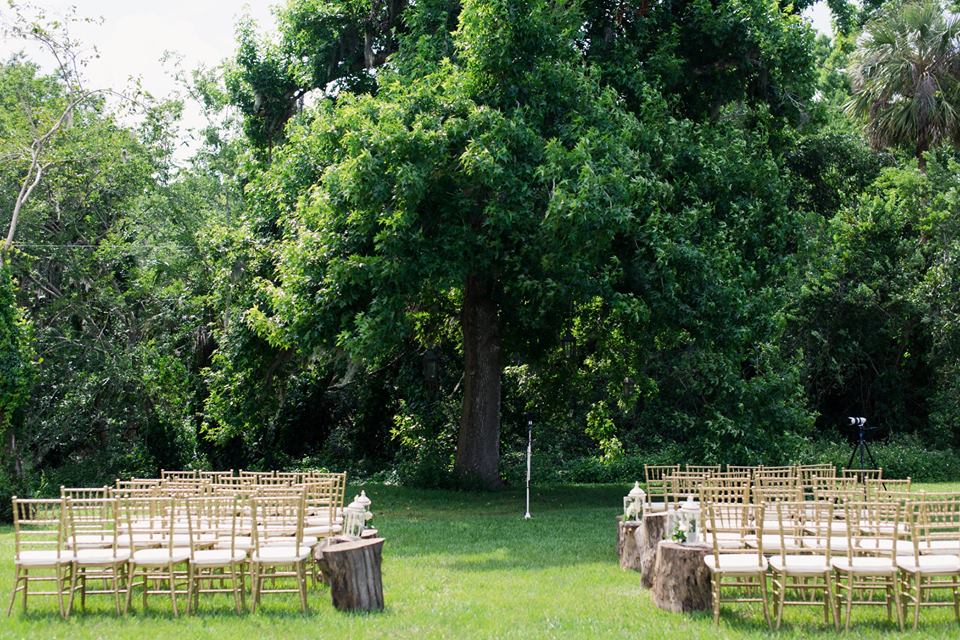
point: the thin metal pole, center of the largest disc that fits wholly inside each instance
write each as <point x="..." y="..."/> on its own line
<point x="527" y="516"/>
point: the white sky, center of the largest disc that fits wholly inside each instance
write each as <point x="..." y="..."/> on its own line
<point x="135" y="33"/>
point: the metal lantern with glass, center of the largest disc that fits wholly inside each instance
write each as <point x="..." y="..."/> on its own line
<point x="688" y="521"/>
<point x="633" y="503"/>
<point x="354" y="518"/>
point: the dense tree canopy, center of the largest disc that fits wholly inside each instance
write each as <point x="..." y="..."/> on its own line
<point x="653" y="226"/>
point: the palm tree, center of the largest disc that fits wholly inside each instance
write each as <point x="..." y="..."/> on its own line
<point x="906" y="77"/>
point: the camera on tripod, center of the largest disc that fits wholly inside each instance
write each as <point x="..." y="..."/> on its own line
<point x="860" y="449"/>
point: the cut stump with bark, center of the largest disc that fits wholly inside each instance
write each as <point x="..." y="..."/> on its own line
<point x="628" y="543"/>
<point x="653" y="529"/>
<point x="682" y="582"/>
<point x="353" y="571"/>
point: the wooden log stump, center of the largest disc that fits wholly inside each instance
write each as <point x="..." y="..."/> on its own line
<point x="628" y="544"/>
<point x="653" y="529"/>
<point x="353" y="570"/>
<point x="682" y="582"/>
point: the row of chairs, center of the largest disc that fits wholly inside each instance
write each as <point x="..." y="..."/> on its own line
<point x="668" y="486"/>
<point x="842" y="546"/>
<point x="179" y="536"/>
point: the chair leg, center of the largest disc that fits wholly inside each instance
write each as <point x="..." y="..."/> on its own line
<point x="60" y="577"/>
<point x="849" y="601"/>
<point x="779" y="594"/>
<point x="715" y="583"/>
<point x="763" y="597"/>
<point x="956" y="598"/>
<point x="254" y="587"/>
<point x="917" y="601"/>
<point x="132" y="574"/>
<point x="302" y="585"/>
<point x="173" y="590"/>
<point x="190" y="588"/>
<point x="13" y="594"/>
<point x="234" y="580"/>
<point x="26" y="587"/>
<point x="73" y="586"/>
<point x="116" y="588"/>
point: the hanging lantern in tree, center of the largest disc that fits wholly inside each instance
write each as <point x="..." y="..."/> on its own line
<point x="569" y="346"/>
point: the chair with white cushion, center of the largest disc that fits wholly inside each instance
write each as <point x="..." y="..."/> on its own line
<point x="932" y="522"/>
<point x="278" y="549"/>
<point x="159" y="556"/>
<point x="93" y="526"/>
<point x="800" y="564"/>
<point x="870" y="562"/>
<point x="38" y="538"/>
<point x="739" y="569"/>
<point x="215" y="517"/>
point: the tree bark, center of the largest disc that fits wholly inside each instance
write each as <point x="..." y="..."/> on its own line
<point x="652" y="531"/>
<point x="682" y="583"/>
<point x="353" y="569"/>
<point x="628" y="543"/>
<point x="478" y="445"/>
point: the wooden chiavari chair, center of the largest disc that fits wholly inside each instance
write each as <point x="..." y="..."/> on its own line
<point x="723" y="491"/>
<point x="157" y="558"/>
<point x="137" y="483"/>
<point x="870" y="562"/>
<point x="39" y="546"/>
<point x="96" y="520"/>
<point x="771" y="473"/>
<point x="802" y="564"/>
<point x="215" y="517"/>
<point x="740" y="568"/>
<point x="748" y="470"/>
<point x="708" y="469"/>
<point x="862" y="474"/>
<point x="215" y="476"/>
<point x="932" y="522"/>
<point x="683" y="485"/>
<point x="658" y="485"/>
<point x="167" y="474"/>
<point x="276" y="517"/>
<point x="879" y="488"/>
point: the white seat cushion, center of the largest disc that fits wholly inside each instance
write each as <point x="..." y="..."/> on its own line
<point x="930" y="565"/>
<point x="322" y="530"/>
<point x="217" y="557"/>
<point x="43" y="558"/>
<point x="800" y="565"/>
<point x="160" y="557"/>
<point x="281" y="555"/>
<point x="244" y="543"/>
<point x="736" y="563"/>
<point x="940" y="547"/>
<point x="100" y="557"/>
<point x="865" y="566"/>
<point x="90" y="541"/>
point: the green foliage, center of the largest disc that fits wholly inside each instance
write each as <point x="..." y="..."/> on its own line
<point x="905" y="78"/>
<point x="17" y="366"/>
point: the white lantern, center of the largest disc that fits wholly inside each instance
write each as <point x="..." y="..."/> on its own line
<point x="354" y="518"/>
<point x="633" y="503"/>
<point x="689" y="520"/>
<point x="365" y="501"/>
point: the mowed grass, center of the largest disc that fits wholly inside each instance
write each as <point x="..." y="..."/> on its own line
<point x="465" y="565"/>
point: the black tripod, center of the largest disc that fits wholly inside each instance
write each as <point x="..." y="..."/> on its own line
<point x="861" y="448"/>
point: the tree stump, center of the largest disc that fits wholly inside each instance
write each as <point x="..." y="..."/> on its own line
<point x="353" y="570"/>
<point x="628" y="543"/>
<point x="653" y="529"/>
<point x="682" y="582"/>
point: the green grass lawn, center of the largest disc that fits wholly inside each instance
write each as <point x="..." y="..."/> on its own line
<point x="463" y="565"/>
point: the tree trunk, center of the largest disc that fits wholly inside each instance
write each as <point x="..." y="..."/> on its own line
<point x="652" y="531"/>
<point x="353" y="570"/>
<point x="478" y="446"/>
<point x="683" y="580"/>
